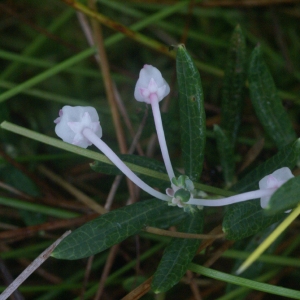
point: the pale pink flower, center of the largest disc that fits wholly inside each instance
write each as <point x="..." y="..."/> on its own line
<point x="72" y="121"/>
<point x="150" y="85"/>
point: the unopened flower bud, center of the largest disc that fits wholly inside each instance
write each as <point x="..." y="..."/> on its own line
<point x="150" y="85"/>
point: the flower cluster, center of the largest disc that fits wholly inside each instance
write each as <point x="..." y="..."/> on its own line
<point x="181" y="192"/>
<point x="80" y="126"/>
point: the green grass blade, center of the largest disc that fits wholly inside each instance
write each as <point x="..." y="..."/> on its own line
<point x="46" y="74"/>
<point x="249" y="246"/>
<point x="44" y="95"/>
<point x="263" y="287"/>
<point x="39" y="208"/>
<point x="38" y="42"/>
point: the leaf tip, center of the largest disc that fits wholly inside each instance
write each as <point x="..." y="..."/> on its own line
<point x="54" y="254"/>
<point x="181" y="47"/>
<point x="2" y="124"/>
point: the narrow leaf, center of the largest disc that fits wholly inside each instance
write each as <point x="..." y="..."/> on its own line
<point x="226" y="154"/>
<point x="192" y="114"/>
<point x="115" y="226"/>
<point x="234" y="85"/>
<point x="178" y="254"/>
<point x="286" y="197"/>
<point x="286" y="157"/>
<point x="245" y="219"/>
<point x="266" y="102"/>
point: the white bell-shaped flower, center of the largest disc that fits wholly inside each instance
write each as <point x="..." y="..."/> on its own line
<point x="274" y="180"/>
<point x="72" y="121"/>
<point x="150" y="85"/>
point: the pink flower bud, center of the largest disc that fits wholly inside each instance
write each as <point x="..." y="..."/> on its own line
<point x="150" y="85"/>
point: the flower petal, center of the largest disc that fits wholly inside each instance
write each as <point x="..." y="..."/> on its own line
<point x="274" y="180"/>
<point x="150" y="82"/>
<point x="152" y="86"/>
<point x="73" y="120"/>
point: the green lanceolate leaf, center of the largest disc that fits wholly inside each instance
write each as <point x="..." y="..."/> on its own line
<point x="266" y="102"/>
<point x="234" y="85"/>
<point x="178" y="254"/>
<point x="142" y="161"/>
<point x="286" y="197"/>
<point x="115" y="226"/>
<point x="286" y="157"/>
<point x="192" y="114"/>
<point x="226" y="154"/>
<point x="246" y="218"/>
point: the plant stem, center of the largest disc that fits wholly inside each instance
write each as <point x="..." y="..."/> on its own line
<point x="233" y="199"/>
<point x="31" y="268"/>
<point x="161" y="136"/>
<point x="93" y="138"/>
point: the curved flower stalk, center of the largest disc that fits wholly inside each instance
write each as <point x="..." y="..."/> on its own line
<point x="80" y="126"/>
<point x="268" y="185"/>
<point x="151" y="88"/>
